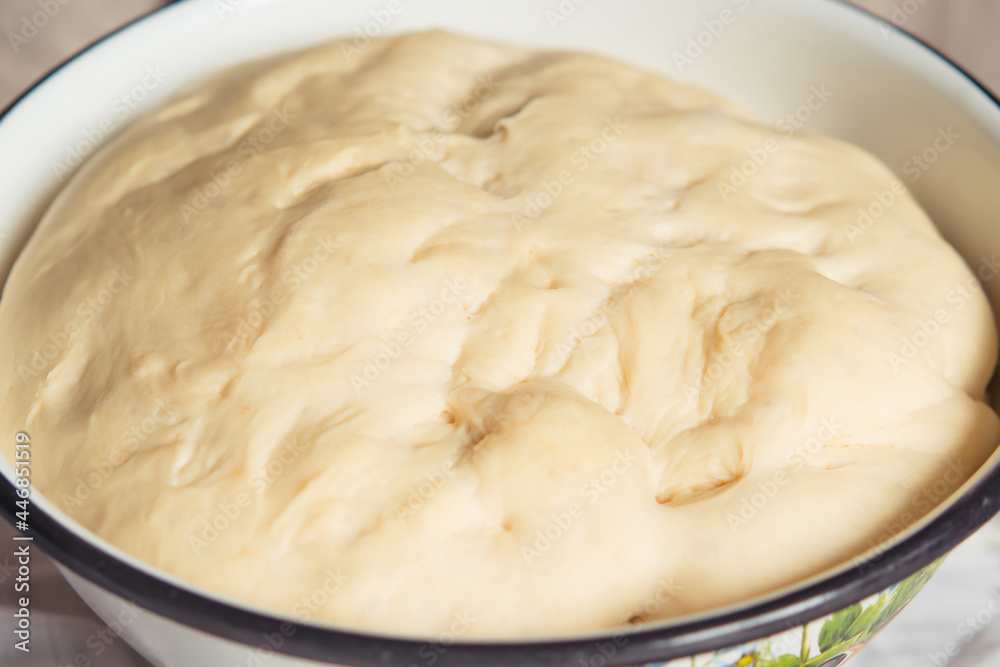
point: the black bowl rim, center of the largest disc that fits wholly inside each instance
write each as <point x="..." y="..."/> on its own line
<point x="626" y="646"/>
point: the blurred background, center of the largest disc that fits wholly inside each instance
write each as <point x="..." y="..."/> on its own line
<point x="951" y="623"/>
<point x="967" y="30"/>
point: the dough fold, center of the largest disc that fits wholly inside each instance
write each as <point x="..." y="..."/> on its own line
<point x="476" y="332"/>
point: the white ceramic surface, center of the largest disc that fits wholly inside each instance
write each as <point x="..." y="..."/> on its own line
<point x="167" y="643"/>
<point x="886" y="93"/>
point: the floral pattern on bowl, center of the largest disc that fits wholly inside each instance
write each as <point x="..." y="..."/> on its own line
<point x="829" y="641"/>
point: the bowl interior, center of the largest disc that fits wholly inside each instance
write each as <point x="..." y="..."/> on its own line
<point x="880" y="89"/>
<point x="821" y="66"/>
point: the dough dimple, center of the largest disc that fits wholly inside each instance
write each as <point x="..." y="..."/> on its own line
<point x="476" y="328"/>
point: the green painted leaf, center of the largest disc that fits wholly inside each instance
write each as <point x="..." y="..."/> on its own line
<point x="884" y="617"/>
<point x="900" y="597"/>
<point x="829" y="654"/>
<point x="780" y="661"/>
<point x="866" y="619"/>
<point x="837" y="629"/>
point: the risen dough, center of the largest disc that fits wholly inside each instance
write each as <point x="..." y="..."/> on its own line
<point x="463" y="331"/>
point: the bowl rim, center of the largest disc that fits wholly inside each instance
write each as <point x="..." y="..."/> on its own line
<point x="976" y="505"/>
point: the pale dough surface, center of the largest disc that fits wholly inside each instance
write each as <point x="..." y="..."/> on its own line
<point x="449" y="335"/>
